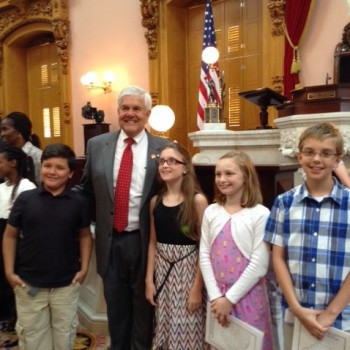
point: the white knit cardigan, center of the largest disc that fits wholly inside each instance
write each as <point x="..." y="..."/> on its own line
<point x="247" y="229"/>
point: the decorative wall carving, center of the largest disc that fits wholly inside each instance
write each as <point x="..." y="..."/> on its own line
<point x="66" y="107"/>
<point x="61" y="34"/>
<point x="277" y="8"/>
<point x="289" y="143"/>
<point x="20" y="4"/>
<point x="150" y="17"/>
<point x="277" y="83"/>
<point x="292" y="127"/>
<point x="155" y="98"/>
<point x="346" y="138"/>
<point x="40" y="8"/>
<point x="8" y="18"/>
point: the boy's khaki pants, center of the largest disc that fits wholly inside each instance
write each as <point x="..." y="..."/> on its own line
<point x="49" y="319"/>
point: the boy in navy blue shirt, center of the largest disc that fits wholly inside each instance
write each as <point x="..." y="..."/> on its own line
<point x="47" y="248"/>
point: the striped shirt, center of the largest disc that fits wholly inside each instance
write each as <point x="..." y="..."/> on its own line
<point x="316" y="235"/>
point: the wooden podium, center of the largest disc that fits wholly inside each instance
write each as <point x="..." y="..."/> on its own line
<point x="91" y="130"/>
<point x="264" y="98"/>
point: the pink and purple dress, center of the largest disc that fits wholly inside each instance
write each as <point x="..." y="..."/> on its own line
<point x="228" y="265"/>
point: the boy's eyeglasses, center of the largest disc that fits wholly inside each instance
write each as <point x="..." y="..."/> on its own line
<point x="169" y="161"/>
<point x="312" y="154"/>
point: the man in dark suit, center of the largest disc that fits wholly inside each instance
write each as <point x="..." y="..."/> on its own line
<point x="121" y="256"/>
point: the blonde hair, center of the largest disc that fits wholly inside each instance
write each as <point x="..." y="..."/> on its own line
<point x="321" y="132"/>
<point x="251" y="195"/>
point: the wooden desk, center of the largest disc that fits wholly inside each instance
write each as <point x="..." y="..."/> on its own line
<point x="274" y="180"/>
<point x="317" y="99"/>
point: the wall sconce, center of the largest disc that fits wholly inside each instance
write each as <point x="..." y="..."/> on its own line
<point x="90" y="81"/>
<point x="162" y="118"/>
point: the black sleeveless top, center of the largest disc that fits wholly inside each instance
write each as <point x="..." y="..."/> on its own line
<point x="167" y="225"/>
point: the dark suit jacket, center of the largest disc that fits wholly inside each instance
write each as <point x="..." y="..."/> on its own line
<point x="97" y="181"/>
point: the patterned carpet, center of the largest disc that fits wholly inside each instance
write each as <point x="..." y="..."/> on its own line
<point x="84" y="341"/>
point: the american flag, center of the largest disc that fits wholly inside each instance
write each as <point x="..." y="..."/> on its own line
<point x="207" y="74"/>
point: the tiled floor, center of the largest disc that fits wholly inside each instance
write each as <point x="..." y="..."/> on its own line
<point x="84" y="341"/>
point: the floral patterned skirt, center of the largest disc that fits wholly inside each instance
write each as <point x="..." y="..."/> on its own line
<point x="228" y="265"/>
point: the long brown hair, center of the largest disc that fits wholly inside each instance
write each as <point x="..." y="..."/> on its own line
<point x="251" y="195"/>
<point x="188" y="218"/>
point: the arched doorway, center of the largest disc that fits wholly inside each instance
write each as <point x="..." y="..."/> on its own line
<point x="35" y="75"/>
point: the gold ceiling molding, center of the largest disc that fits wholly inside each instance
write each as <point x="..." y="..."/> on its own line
<point x="277" y="8"/>
<point x="150" y="18"/>
<point x="16" y="14"/>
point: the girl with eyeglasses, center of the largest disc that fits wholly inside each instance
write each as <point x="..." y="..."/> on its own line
<point x="174" y="283"/>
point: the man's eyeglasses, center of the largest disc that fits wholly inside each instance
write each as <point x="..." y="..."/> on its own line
<point x="169" y="161"/>
<point x="323" y="154"/>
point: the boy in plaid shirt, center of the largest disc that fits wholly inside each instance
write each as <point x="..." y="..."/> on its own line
<point x="309" y="228"/>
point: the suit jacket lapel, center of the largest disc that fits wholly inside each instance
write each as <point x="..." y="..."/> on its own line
<point x="108" y="157"/>
<point x="152" y="154"/>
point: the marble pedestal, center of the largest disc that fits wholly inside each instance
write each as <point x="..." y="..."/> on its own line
<point x="266" y="146"/>
<point x="261" y="145"/>
<point x="291" y="128"/>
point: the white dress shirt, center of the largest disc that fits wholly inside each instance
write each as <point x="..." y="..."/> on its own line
<point x="139" y="150"/>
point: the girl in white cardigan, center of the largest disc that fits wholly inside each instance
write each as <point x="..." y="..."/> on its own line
<point x="233" y="256"/>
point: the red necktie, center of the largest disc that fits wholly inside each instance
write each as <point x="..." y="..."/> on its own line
<point x="122" y="188"/>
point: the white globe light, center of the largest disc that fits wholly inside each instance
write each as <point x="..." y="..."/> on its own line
<point x="162" y="118"/>
<point x="89" y="78"/>
<point x="210" y="55"/>
<point x="84" y="80"/>
<point x="108" y="76"/>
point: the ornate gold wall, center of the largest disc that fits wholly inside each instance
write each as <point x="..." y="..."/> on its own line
<point x="165" y="22"/>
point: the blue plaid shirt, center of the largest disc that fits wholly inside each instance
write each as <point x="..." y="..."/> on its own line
<point x="316" y="235"/>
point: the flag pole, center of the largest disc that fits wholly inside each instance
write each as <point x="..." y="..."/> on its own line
<point x="210" y="84"/>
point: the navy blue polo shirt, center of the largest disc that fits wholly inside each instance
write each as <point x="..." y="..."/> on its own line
<point x="47" y="253"/>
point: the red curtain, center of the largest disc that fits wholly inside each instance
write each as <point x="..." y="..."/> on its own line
<point x="296" y="14"/>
